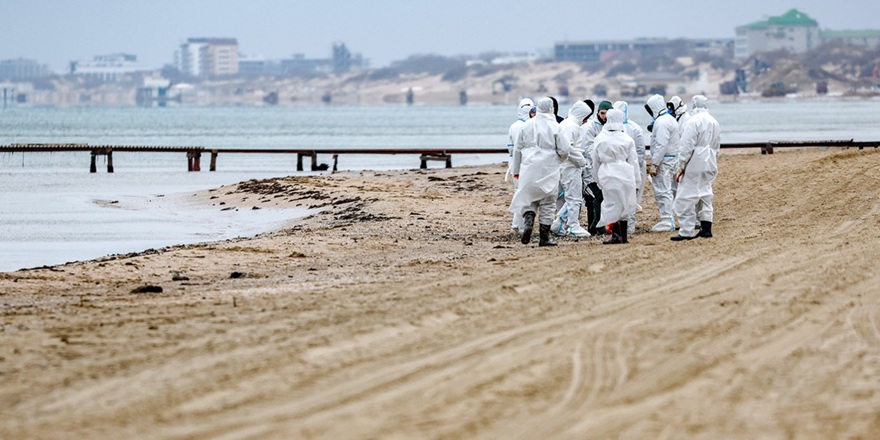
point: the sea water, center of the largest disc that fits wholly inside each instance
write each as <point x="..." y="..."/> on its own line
<point x="52" y="210"/>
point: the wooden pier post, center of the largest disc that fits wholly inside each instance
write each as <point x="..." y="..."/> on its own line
<point x="299" y="160"/>
<point x="213" y="160"/>
<point x="109" y="161"/>
<point x="193" y="160"/>
<point x="335" y="159"/>
<point x="93" y="168"/>
<point x="424" y="158"/>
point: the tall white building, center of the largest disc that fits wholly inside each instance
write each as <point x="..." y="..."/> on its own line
<point x="208" y="57"/>
<point x="793" y="31"/>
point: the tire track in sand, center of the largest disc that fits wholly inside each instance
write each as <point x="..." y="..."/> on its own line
<point x="424" y="373"/>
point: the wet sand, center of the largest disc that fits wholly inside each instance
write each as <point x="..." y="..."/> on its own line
<point x="406" y="309"/>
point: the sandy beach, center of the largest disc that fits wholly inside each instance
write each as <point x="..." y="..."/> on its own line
<point x="404" y="308"/>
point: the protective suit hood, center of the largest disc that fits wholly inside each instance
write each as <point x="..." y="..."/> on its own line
<point x="525" y="105"/>
<point x="700" y="101"/>
<point x="545" y="106"/>
<point x="678" y="107"/>
<point x="578" y="112"/>
<point x="656" y="106"/>
<point x="624" y="107"/>
<point x="614" y="120"/>
<point x="591" y="105"/>
<point x="556" y="110"/>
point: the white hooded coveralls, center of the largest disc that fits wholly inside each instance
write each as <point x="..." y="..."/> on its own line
<point x="589" y="131"/>
<point x="634" y="130"/>
<point x="522" y="115"/>
<point x="664" y="153"/>
<point x="681" y="114"/>
<point x="537" y="154"/>
<point x="615" y="165"/>
<point x="571" y="169"/>
<point x="700" y="143"/>
<point x="681" y="111"/>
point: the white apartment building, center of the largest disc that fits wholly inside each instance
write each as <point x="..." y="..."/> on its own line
<point x="208" y="57"/>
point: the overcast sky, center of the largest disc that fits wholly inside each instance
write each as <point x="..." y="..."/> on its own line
<point x="56" y="32"/>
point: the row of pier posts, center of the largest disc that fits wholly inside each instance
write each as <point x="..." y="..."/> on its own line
<point x="194" y="154"/>
<point x="194" y="159"/>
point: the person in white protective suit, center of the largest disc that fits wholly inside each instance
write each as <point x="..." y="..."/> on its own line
<point x="615" y="165"/>
<point x="567" y="220"/>
<point x="522" y="115"/>
<point x="679" y="110"/>
<point x="537" y="154"/>
<point x="592" y="192"/>
<point x="634" y="130"/>
<point x="696" y="170"/>
<point x="664" y="153"/>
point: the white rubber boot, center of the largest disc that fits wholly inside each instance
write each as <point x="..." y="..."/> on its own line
<point x="557" y="228"/>
<point x="578" y="231"/>
<point x="664" y="226"/>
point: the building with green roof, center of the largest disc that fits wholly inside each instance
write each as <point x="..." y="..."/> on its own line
<point x="793" y="31"/>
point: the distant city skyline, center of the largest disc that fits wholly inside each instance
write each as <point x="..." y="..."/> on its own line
<point x="56" y="32"/>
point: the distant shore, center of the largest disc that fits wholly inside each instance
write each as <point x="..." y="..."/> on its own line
<point x="498" y="85"/>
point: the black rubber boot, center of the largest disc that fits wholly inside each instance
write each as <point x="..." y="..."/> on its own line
<point x="529" y="224"/>
<point x="621" y="227"/>
<point x="705" y="229"/>
<point x="597" y="208"/>
<point x="591" y="215"/>
<point x="682" y="237"/>
<point x="544" y="234"/>
<point x="616" y="238"/>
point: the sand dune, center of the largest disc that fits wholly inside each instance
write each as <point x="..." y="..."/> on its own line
<point x="405" y="309"/>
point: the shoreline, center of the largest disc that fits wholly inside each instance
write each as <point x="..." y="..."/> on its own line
<point x="79" y="217"/>
<point x="172" y="221"/>
<point x="406" y="308"/>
